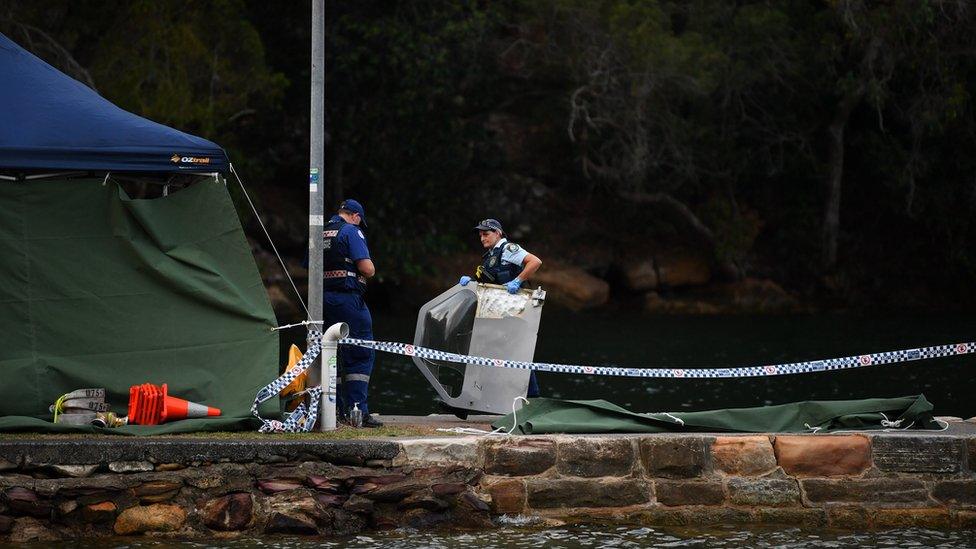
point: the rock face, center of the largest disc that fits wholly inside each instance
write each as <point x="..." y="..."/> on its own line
<point x="151" y="518"/>
<point x="678" y="269"/>
<point x="640" y="276"/>
<point x="571" y="286"/>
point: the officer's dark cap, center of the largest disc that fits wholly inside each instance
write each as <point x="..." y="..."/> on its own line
<point x="354" y="206"/>
<point x="490" y="225"/>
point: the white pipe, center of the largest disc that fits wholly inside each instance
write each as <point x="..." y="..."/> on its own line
<point x="327" y="405"/>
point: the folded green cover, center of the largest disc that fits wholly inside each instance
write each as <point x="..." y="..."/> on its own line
<point x="547" y="415"/>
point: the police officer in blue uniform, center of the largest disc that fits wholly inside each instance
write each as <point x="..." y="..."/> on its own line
<point x="347" y="266"/>
<point x="505" y="263"/>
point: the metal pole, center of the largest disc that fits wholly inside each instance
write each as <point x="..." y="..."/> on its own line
<point x="316" y="211"/>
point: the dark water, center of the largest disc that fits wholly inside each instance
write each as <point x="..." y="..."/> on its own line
<point x="635" y="340"/>
<point x="580" y="537"/>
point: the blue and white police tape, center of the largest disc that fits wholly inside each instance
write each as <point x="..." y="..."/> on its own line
<point x="302" y="418"/>
<point x="858" y="361"/>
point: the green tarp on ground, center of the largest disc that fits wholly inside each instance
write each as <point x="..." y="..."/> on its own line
<point x="100" y="290"/>
<point x="547" y="415"/>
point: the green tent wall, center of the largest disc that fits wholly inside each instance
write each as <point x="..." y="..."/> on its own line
<point x="100" y="290"/>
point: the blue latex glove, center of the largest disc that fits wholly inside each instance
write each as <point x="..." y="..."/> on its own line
<point x="464" y="280"/>
<point x="513" y="286"/>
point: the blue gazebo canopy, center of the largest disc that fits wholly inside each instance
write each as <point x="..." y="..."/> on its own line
<point x="50" y="121"/>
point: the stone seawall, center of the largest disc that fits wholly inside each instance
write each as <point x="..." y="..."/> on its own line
<point x="58" y="489"/>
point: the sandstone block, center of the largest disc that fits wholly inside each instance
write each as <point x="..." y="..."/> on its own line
<point x="280" y="523"/>
<point x="292" y="512"/>
<point x="764" y="492"/>
<point x="675" y="457"/>
<point x="879" y="491"/>
<point x="27" y="529"/>
<point x="678" y="492"/>
<point x="473" y="502"/>
<point x="423" y="500"/>
<point x="507" y="496"/>
<point x="694" y="516"/>
<point x="595" y="457"/>
<point x="918" y="454"/>
<point x="462" y="450"/>
<point x="562" y="493"/>
<point x="956" y="492"/>
<point x="67" y="507"/>
<point x="158" y="517"/>
<point x="805" y="518"/>
<point x="332" y="500"/>
<point x="130" y="466"/>
<point x="964" y="519"/>
<point x="358" y="504"/>
<point x="6" y="524"/>
<point x="392" y="493"/>
<point x="423" y="519"/>
<point x="75" y="471"/>
<point x="275" y="485"/>
<point x="743" y="456"/>
<point x="848" y="517"/>
<point x="229" y="513"/>
<point x="102" y="511"/>
<point x="448" y="489"/>
<point x="972" y="454"/>
<point x="912" y="518"/>
<point x="24" y="501"/>
<point x="823" y="455"/>
<point x="519" y="457"/>
<point x="157" y="491"/>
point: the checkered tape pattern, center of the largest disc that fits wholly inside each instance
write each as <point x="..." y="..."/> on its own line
<point x="858" y="361"/>
<point x="302" y="418"/>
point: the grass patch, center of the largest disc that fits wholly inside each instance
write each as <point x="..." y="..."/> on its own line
<point x="342" y="433"/>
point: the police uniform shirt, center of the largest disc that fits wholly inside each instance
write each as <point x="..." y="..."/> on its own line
<point x="351" y="240"/>
<point x="512" y="253"/>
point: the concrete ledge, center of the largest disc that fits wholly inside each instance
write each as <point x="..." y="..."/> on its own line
<point x="54" y="489"/>
<point x="170" y="450"/>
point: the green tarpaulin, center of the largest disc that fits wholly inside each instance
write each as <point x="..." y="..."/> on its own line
<point x="100" y="290"/>
<point x="546" y="415"/>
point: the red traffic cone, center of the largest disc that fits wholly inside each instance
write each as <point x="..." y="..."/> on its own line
<point x="152" y="405"/>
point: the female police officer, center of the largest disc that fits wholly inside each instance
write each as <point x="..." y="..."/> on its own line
<point x="504" y="263"/>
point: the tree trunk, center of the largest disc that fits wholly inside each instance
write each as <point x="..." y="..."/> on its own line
<point x="835" y="161"/>
<point x="835" y="156"/>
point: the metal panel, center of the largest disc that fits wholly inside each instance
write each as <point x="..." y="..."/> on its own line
<point x="502" y="326"/>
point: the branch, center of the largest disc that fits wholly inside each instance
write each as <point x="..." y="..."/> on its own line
<point x="63" y="54"/>
<point x="675" y="205"/>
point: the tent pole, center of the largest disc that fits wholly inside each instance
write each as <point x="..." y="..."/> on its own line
<point x="316" y="221"/>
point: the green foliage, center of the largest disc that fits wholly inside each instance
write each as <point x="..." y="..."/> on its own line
<point x="407" y="91"/>
<point x="724" y="107"/>
<point x="196" y="66"/>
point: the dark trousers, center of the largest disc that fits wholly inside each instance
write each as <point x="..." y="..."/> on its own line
<point x="355" y="363"/>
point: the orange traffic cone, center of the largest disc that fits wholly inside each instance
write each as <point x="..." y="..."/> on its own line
<point x="152" y="405"/>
